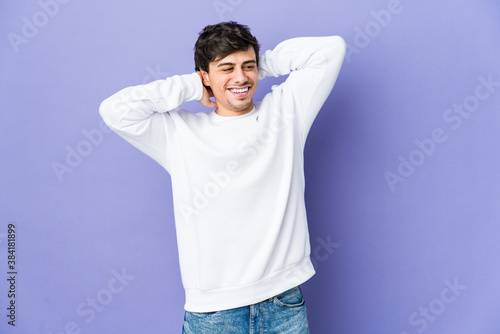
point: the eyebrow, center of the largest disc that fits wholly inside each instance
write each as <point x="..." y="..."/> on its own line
<point x="232" y="64"/>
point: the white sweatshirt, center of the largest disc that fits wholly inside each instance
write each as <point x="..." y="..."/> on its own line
<point x="237" y="182"/>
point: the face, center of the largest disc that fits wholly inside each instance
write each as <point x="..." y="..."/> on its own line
<point x="233" y="81"/>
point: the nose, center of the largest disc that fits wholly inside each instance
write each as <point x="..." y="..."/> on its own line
<point x="239" y="75"/>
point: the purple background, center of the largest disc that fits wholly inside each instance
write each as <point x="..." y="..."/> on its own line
<point x="396" y="249"/>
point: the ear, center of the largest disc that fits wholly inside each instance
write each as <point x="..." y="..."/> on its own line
<point x="205" y="79"/>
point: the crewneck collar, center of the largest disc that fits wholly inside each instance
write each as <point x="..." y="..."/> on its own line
<point x="218" y="118"/>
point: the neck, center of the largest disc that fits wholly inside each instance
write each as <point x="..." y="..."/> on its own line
<point x="231" y="113"/>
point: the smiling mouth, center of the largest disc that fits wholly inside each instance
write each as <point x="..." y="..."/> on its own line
<point x="239" y="90"/>
<point x="240" y="93"/>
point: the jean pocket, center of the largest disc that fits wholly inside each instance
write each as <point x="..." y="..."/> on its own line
<point x="290" y="298"/>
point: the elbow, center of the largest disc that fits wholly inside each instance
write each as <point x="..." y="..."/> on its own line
<point x="104" y="108"/>
<point x="106" y="111"/>
<point x="336" y="51"/>
<point x="101" y="110"/>
<point x="339" y="43"/>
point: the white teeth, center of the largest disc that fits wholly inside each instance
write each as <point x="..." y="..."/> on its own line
<point x="243" y="90"/>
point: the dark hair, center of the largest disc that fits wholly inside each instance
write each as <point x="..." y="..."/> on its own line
<point x="220" y="40"/>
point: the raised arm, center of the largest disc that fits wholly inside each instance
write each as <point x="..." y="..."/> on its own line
<point x="313" y="64"/>
<point x="140" y="114"/>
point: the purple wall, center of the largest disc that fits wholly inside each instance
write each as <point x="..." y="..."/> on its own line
<point x="402" y="164"/>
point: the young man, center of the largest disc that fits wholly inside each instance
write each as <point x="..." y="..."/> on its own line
<point x="237" y="173"/>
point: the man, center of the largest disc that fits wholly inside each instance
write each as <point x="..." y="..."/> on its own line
<point x="237" y="173"/>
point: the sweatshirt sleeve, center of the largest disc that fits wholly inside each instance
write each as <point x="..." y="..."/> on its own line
<point x="313" y="64"/>
<point x="141" y="114"/>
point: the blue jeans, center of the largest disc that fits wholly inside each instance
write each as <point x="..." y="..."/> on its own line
<point x="282" y="314"/>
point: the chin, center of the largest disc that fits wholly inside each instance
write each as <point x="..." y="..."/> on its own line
<point x="241" y="107"/>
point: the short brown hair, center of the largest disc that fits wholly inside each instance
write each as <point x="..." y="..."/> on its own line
<point x="220" y="40"/>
